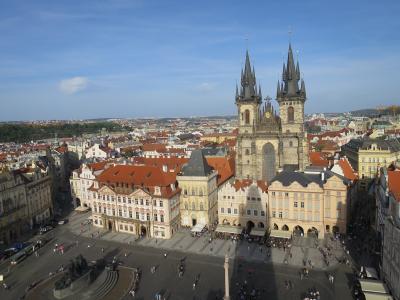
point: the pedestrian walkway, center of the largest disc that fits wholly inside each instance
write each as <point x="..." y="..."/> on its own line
<point x="302" y="249"/>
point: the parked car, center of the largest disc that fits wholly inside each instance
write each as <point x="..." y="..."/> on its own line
<point x="63" y="221"/>
<point x="10" y="252"/>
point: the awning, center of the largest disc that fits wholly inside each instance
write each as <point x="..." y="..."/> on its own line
<point x="198" y="228"/>
<point x="283" y="234"/>
<point x="81" y="209"/>
<point x="374" y="286"/>
<point x="229" y="229"/>
<point x="257" y="232"/>
<point x="377" y="296"/>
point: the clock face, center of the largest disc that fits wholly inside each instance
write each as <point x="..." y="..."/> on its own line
<point x="267" y="114"/>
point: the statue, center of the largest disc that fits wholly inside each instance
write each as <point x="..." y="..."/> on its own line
<point x="76" y="268"/>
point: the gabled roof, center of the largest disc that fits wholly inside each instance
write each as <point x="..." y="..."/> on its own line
<point x="318" y="159"/>
<point x="394" y="183"/>
<point x="347" y="169"/>
<point x="197" y="165"/>
<point x="287" y="178"/>
<point x="225" y="166"/>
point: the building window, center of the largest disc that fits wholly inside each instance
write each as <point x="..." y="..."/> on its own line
<point x="161" y="203"/>
<point x="255" y="212"/>
<point x="280" y="215"/>
<point x="247" y="152"/>
<point x="295" y="204"/>
<point x="193" y="206"/>
<point x="273" y="214"/>
<point x="201" y="206"/>
<point x="229" y="210"/>
<point x="148" y="217"/>
<point x="136" y="201"/>
<point x="137" y="215"/>
<point x="113" y="212"/>
<point x="235" y="211"/>
<point x="290" y="144"/>
<point x="154" y="203"/>
<point x="258" y="199"/>
<point x="290" y="114"/>
<point x="302" y="204"/>
<point x="162" y="218"/>
<point x="124" y="199"/>
<point x="120" y="212"/>
<point x="130" y="214"/>
<point x="126" y="227"/>
<point x="131" y="228"/>
<point x="247" y="117"/>
<point x="262" y="213"/>
<point x="155" y="217"/>
<point x="222" y="210"/>
<point x="147" y="202"/>
<point x="121" y="227"/>
<point x="141" y="201"/>
<point x="248" y="212"/>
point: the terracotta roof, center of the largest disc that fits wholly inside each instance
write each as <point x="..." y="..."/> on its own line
<point x="347" y="169"/>
<point x="139" y="177"/>
<point x="394" y="183"/>
<point x="172" y="163"/>
<point x="62" y="149"/>
<point x="98" y="165"/>
<point x="154" y="147"/>
<point x="225" y="167"/>
<point x="318" y="159"/>
<point x="242" y="184"/>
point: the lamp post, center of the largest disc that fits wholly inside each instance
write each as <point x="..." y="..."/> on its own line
<point x="226" y="267"/>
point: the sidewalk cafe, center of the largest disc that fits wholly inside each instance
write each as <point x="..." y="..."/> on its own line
<point x="228" y="231"/>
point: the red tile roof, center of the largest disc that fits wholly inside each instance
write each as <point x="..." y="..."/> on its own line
<point x="242" y="184"/>
<point x="224" y="165"/>
<point x="139" y="177"/>
<point x="347" y="169"/>
<point x="394" y="183"/>
<point x="154" y="147"/>
<point x="172" y="163"/>
<point x="318" y="159"/>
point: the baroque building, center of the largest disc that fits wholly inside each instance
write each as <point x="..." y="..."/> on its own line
<point x="268" y="143"/>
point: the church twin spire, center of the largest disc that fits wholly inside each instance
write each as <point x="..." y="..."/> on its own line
<point x="289" y="87"/>
<point x="248" y="90"/>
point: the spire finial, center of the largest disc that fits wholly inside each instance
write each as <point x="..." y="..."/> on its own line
<point x="290" y="35"/>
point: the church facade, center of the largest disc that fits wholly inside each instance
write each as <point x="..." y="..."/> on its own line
<point x="268" y="143"/>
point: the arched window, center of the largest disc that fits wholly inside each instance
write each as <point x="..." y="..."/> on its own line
<point x="290" y="114"/>
<point x="193" y="206"/>
<point x="247" y="152"/>
<point x="290" y="144"/>
<point x="247" y="116"/>
<point x="201" y="206"/>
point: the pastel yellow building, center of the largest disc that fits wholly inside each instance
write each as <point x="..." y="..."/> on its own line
<point x="308" y="203"/>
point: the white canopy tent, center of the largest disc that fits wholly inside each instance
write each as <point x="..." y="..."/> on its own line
<point x="228" y="229"/>
<point x="280" y="234"/>
<point x="257" y="232"/>
<point x="198" y="228"/>
<point x="373" y="286"/>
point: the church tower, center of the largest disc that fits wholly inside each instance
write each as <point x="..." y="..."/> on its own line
<point x="248" y="101"/>
<point x="290" y="97"/>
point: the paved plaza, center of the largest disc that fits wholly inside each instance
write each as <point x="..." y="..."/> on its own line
<point x="248" y="266"/>
<point x="303" y="249"/>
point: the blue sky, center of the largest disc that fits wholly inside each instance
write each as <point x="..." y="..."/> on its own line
<point x="119" y="58"/>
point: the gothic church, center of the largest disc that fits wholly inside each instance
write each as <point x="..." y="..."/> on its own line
<point x="268" y="143"/>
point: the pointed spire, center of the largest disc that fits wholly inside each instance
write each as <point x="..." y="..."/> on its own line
<point x="259" y="92"/>
<point x="290" y="77"/>
<point x="248" y="91"/>
<point x="237" y="92"/>
<point x="303" y="88"/>
<point x="278" y="89"/>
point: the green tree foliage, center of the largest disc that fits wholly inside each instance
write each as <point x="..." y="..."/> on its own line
<point x="24" y="133"/>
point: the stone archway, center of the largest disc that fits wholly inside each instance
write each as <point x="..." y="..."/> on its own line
<point x="261" y="225"/>
<point x="285" y="228"/>
<point x="276" y="227"/>
<point x="269" y="162"/>
<point x="249" y="226"/>
<point x="143" y="230"/>
<point x="312" y="232"/>
<point x="298" y="230"/>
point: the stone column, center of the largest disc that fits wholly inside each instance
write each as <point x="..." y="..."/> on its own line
<point x="226" y="267"/>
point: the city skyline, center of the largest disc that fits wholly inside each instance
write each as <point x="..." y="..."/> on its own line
<point x="108" y="59"/>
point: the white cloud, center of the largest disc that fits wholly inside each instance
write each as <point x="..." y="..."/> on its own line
<point x="73" y="85"/>
<point x="206" y="87"/>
